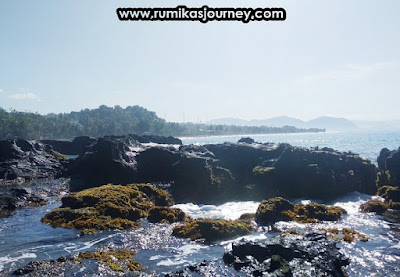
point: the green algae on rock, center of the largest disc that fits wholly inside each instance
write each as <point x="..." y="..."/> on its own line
<point x="272" y="210"/>
<point x="280" y="209"/>
<point x="110" y="207"/>
<point x="374" y="206"/>
<point x="212" y="229"/>
<point x="166" y="214"/>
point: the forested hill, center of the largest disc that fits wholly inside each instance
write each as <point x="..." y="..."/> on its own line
<point x="114" y="121"/>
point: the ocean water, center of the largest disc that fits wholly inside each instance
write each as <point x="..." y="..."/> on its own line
<point x="366" y="143"/>
<point x="24" y="238"/>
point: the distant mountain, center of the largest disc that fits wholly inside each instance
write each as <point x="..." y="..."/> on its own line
<point x="379" y="125"/>
<point x="329" y="123"/>
<point x="279" y="121"/>
<point x="332" y="123"/>
<point x="229" y="121"/>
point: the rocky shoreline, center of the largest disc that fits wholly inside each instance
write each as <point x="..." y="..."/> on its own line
<point x="107" y="192"/>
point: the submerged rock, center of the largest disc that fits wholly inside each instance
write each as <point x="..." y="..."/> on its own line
<point x="311" y="255"/>
<point x="211" y="230"/>
<point x="116" y="260"/>
<point x="22" y="161"/>
<point x="111" y="207"/>
<point x="280" y="209"/>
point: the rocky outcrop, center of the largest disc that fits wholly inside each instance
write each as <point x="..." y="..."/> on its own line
<point x="279" y="209"/>
<point x="389" y="165"/>
<point x="391" y="197"/>
<point x="75" y="147"/>
<point x="113" y="207"/>
<point x="313" y="253"/>
<point x="246" y="140"/>
<point x="22" y="161"/>
<point x="221" y="172"/>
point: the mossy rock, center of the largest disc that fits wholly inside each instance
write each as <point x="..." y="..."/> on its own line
<point x="211" y="230"/>
<point x="374" y="206"/>
<point x="272" y="210"/>
<point x="86" y="219"/>
<point x="315" y="212"/>
<point x="389" y="193"/>
<point x="280" y="209"/>
<point x="248" y="217"/>
<point x="116" y="260"/>
<point x="166" y="214"/>
<point x="107" y="207"/>
<point x="158" y="196"/>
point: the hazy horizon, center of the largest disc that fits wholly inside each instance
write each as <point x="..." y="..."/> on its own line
<point x="339" y="59"/>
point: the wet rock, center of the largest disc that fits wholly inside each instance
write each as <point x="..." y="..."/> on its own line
<point x="44" y="268"/>
<point x="32" y="195"/>
<point x="22" y="161"/>
<point x="312" y="254"/>
<point x="205" y="268"/>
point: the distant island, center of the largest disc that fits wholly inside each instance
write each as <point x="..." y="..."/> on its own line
<point x="105" y="120"/>
<point x="326" y="122"/>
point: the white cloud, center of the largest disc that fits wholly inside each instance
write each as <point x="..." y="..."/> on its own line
<point x="1" y="91"/>
<point x="349" y="72"/>
<point x="24" y="96"/>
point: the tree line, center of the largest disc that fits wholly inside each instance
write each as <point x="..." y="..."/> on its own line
<point x="115" y="121"/>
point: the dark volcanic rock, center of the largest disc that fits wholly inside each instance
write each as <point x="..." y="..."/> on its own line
<point x="75" y="147"/>
<point x="22" y="160"/>
<point x="156" y="139"/>
<point x="389" y="164"/>
<point x="219" y="172"/>
<point x="109" y="160"/>
<point x="246" y="140"/>
<point x="312" y="254"/>
<point x="16" y="197"/>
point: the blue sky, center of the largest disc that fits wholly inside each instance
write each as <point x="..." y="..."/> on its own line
<point x="339" y="58"/>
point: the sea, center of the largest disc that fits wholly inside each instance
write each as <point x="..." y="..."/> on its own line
<point x="24" y="238"/>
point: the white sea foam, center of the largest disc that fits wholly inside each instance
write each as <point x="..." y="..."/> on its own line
<point x="8" y="259"/>
<point x="230" y="210"/>
<point x="73" y="248"/>
<point x="172" y="262"/>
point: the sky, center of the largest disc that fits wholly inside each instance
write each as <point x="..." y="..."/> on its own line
<point x="336" y="58"/>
